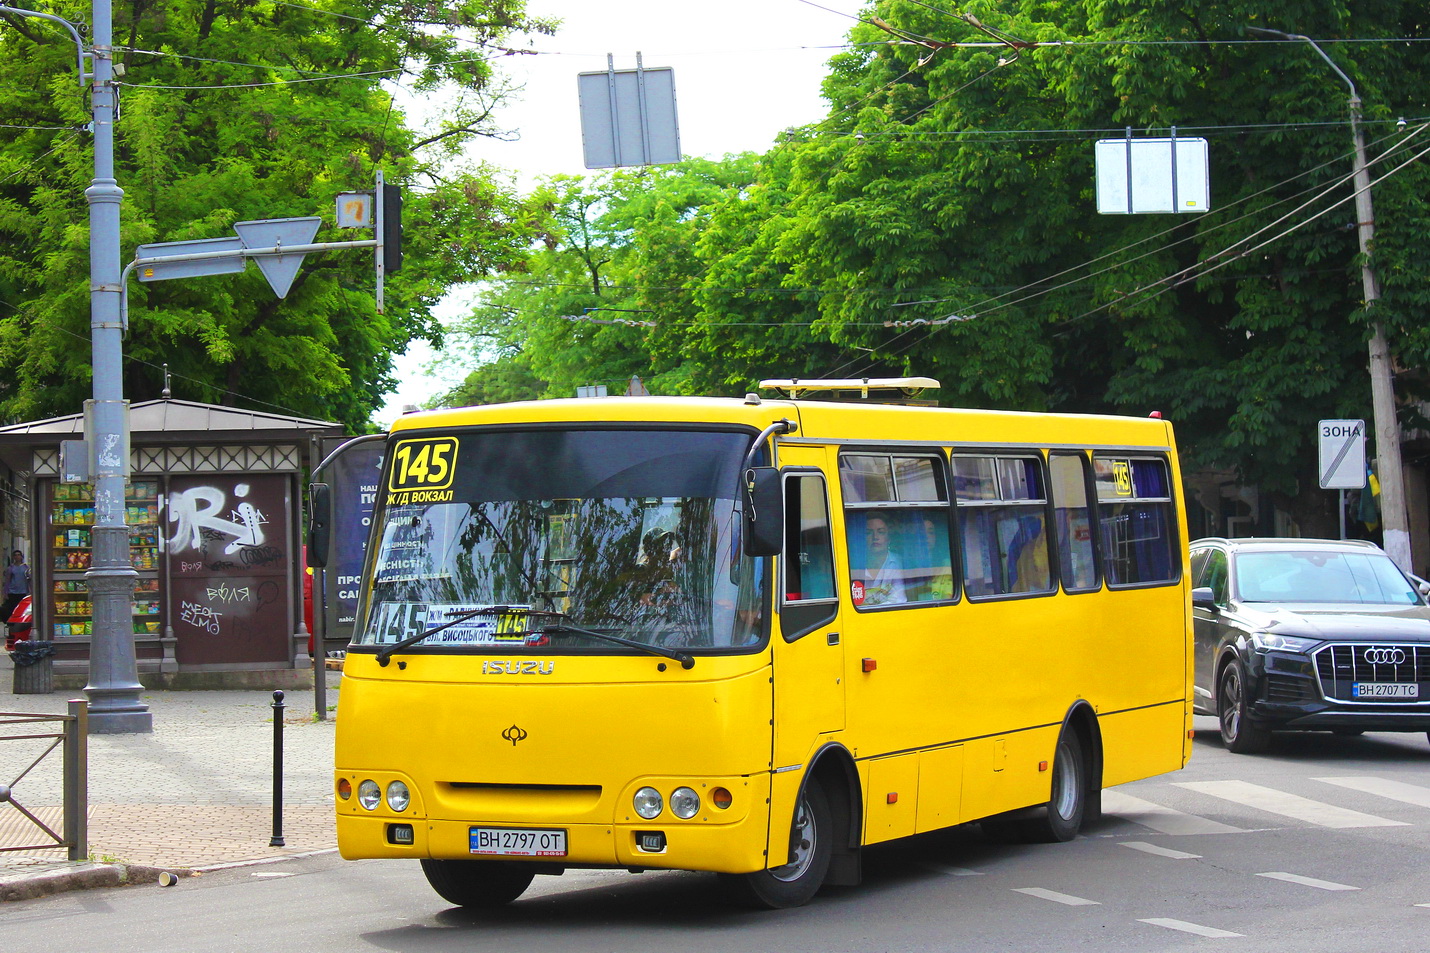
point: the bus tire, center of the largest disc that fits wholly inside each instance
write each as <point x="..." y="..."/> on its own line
<point x="1237" y="732"/>
<point x="793" y="884"/>
<point x="1062" y="817"/>
<point x="477" y="883"/>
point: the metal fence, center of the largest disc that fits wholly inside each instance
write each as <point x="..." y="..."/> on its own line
<point x="71" y="734"/>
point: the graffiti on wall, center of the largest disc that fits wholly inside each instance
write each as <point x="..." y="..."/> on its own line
<point x="197" y="511"/>
<point x="228" y="551"/>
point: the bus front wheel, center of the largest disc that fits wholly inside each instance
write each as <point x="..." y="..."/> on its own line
<point x="795" y="883"/>
<point x="477" y="883"/>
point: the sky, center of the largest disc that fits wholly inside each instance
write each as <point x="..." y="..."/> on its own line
<point x="745" y="70"/>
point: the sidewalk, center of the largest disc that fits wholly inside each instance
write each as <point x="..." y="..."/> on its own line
<point x="195" y="794"/>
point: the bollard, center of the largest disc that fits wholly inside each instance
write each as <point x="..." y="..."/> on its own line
<point x="277" y="839"/>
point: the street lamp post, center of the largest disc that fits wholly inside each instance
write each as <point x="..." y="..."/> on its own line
<point x="113" y="689"/>
<point x="1393" y="516"/>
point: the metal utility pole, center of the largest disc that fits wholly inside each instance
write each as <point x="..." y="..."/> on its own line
<point x="113" y="689"/>
<point x="1393" y="516"/>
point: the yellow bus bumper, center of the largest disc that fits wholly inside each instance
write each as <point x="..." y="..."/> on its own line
<point x="736" y="845"/>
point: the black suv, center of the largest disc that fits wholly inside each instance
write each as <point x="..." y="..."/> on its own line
<point x="1298" y="634"/>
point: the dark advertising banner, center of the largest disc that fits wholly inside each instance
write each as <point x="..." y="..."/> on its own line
<point x="229" y="564"/>
<point x="353" y="478"/>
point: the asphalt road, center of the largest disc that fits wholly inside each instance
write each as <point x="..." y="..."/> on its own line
<point x="1319" y="846"/>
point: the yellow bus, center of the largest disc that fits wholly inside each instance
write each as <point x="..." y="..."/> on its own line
<point x="754" y="636"/>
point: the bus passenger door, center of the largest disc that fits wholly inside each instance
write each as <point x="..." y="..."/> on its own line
<point x="808" y="650"/>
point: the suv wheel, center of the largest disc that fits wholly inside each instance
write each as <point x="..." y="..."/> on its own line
<point x="1237" y="732"/>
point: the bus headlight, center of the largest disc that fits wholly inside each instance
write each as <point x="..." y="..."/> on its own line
<point x="648" y="803"/>
<point x="684" y="803"/>
<point x="369" y="794"/>
<point x="398" y="797"/>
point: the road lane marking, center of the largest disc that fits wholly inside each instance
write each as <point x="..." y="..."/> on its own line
<point x="271" y="874"/>
<point x="953" y="871"/>
<point x="1306" y="881"/>
<point x="1057" y="897"/>
<point x="1186" y="927"/>
<point x="1394" y="790"/>
<point x="1160" y="818"/>
<point x="1293" y="806"/>
<point x="1159" y="851"/>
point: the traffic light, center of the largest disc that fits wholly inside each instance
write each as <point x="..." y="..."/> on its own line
<point x="391" y="198"/>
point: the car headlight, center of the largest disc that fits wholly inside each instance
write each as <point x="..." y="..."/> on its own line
<point x="684" y="803"/>
<point x="398" y="797"/>
<point x="648" y="803"/>
<point x="1282" y="643"/>
<point x="369" y="794"/>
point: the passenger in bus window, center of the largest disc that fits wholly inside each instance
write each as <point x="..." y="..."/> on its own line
<point x="938" y="585"/>
<point x="883" y="574"/>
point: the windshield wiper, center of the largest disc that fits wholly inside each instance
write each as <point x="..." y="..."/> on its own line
<point x="384" y="654"/>
<point x="685" y="660"/>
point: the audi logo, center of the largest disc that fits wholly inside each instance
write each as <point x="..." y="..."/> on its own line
<point x="1384" y="656"/>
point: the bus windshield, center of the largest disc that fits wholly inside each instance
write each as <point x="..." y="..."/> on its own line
<point x="538" y="535"/>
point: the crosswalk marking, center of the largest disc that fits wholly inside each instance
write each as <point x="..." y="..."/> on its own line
<point x="1056" y="897"/>
<point x="1186" y="927"/>
<point x="1160" y="818"/>
<point x="1307" y="881"/>
<point x="1293" y="806"/>
<point x="1159" y="851"/>
<point x="1394" y="790"/>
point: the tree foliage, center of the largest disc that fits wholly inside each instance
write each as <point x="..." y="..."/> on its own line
<point x="237" y="110"/>
<point x="941" y="220"/>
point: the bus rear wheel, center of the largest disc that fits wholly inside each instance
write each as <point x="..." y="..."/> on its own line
<point x="795" y="883"/>
<point x="1067" y="804"/>
<point x="477" y="883"/>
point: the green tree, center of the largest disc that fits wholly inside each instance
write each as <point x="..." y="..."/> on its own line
<point x="252" y="110"/>
<point x="955" y="186"/>
<point x="608" y="295"/>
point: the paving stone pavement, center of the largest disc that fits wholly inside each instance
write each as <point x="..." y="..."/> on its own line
<point x="195" y="794"/>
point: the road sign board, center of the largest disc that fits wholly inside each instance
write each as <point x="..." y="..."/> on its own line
<point x="1342" y="454"/>
<point x="280" y="270"/>
<point x="160" y="271"/>
<point x="628" y="116"/>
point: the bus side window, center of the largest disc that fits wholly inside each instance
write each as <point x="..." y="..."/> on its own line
<point x="896" y="517"/>
<point x="1136" y="520"/>
<point x="1002" y="511"/>
<point x="809" y="548"/>
<point x="808" y="564"/>
<point x="1073" y="517"/>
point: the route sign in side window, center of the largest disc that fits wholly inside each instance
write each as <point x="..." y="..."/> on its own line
<point x="1136" y="520"/>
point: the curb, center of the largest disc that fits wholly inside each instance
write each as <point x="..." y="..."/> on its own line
<point x="79" y="877"/>
<point x="90" y="876"/>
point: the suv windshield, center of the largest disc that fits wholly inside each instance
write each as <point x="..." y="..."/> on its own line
<point x="533" y="537"/>
<point x="1310" y="576"/>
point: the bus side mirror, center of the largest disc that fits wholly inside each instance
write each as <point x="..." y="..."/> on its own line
<point x="320" y="501"/>
<point x="764" y="512"/>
